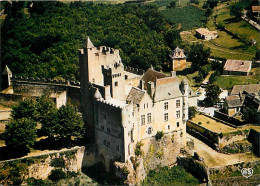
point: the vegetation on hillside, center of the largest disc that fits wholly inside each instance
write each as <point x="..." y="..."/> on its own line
<point x="173" y="176"/>
<point x="44" y="41"/>
<point x="188" y="16"/>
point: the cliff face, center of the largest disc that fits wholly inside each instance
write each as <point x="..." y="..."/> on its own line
<point x="161" y="152"/>
<point x="70" y="160"/>
<point x="40" y="167"/>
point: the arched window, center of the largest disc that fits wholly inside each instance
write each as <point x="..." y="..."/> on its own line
<point x="150" y="130"/>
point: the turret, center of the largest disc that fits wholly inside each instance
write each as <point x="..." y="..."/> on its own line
<point x="6" y="78"/>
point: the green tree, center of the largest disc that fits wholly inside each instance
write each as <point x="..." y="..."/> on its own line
<point x="236" y="10"/>
<point x="20" y="133"/>
<point x="198" y="55"/>
<point x="172" y="4"/>
<point x="212" y="94"/>
<point x="67" y="123"/>
<point x="196" y="2"/>
<point x="192" y="112"/>
<point x="251" y="115"/>
<point x="25" y="109"/>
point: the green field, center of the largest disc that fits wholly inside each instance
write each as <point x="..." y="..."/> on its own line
<point x="227" y="82"/>
<point x="226" y="46"/>
<point x="188" y="16"/>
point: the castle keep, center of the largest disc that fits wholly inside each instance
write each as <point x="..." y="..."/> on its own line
<point x="123" y="106"/>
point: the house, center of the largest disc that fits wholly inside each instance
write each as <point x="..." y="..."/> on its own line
<point x="178" y="60"/>
<point x="256" y="9"/>
<point x="204" y="33"/>
<point x="237" y="67"/>
<point x="124" y="106"/>
<point x="235" y="101"/>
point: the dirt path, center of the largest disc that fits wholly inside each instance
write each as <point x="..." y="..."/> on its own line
<point x="213" y="158"/>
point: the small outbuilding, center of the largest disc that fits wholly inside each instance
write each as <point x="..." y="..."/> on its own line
<point x="237" y="67"/>
<point x="204" y="33"/>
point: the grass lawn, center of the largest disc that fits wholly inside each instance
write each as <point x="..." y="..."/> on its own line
<point x="221" y="47"/>
<point x="212" y="124"/>
<point x="227" y="82"/>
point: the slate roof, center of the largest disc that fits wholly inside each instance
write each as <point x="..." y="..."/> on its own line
<point x="234" y="101"/>
<point x="135" y="95"/>
<point x="167" y="88"/>
<point x="238" y="65"/>
<point x="251" y="89"/>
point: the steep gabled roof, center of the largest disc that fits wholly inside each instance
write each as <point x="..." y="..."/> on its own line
<point x="237" y="65"/>
<point x="234" y="101"/>
<point x="167" y="88"/>
<point x="252" y="88"/>
<point x="152" y="75"/>
<point x="135" y="95"/>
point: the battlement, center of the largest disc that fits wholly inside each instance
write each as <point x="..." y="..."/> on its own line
<point x="134" y="70"/>
<point x="113" y="102"/>
<point x="44" y="81"/>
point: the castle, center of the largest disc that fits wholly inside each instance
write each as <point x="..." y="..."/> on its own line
<point x="123" y="106"/>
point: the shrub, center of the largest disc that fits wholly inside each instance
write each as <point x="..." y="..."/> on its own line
<point x="192" y="112"/>
<point x="57" y="175"/>
<point x="138" y="150"/>
<point x="125" y="171"/>
<point x="159" y="135"/>
<point x="71" y="174"/>
<point x="58" y="162"/>
<point x="199" y="123"/>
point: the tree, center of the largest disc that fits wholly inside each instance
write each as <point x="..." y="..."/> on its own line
<point x="198" y="56"/>
<point x="212" y="94"/>
<point x="251" y="115"/>
<point x="196" y="2"/>
<point x="64" y="123"/>
<point x="20" y="133"/>
<point x="236" y="10"/>
<point x="25" y="109"/>
<point x="172" y="4"/>
<point x="192" y="112"/>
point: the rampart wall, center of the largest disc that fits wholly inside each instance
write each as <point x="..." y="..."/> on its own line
<point x="134" y="70"/>
<point x="227" y="118"/>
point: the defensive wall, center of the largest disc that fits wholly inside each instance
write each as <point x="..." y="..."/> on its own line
<point x="214" y="139"/>
<point x="40" y="167"/>
<point x="224" y="117"/>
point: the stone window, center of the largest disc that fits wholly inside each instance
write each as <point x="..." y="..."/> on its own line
<point x="108" y="130"/>
<point x="178" y="103"/>
<point x="104" y="117"/>
<point x="150" y="130"/>
<point x="178" y="114"/>
<point x="117" y="148"/>
<point x="166" y="117"/>
<point x="149" y="118"/>
<point x="126" y="76"/>
<point x="178" y="124"/>
<point x="108" y="144"/>
<point x="104" y="142"/>
<point x="146" y="105"/>
<point x="166" y="106"/>
<point x="169" y="127"/>
<point x="116" y="84"/>
<point x="102" y="127"/>
<point x="143" y="119"/>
